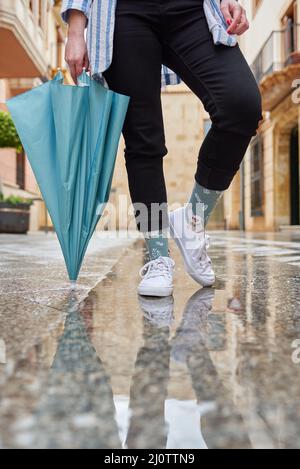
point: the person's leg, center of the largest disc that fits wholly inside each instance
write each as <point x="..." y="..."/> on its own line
<point x="221" y="78"/>
<point x="136" y="71"/>
<point x="149" y="197"/>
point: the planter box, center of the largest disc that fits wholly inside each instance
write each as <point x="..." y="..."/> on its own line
<point x="14" y="218"/>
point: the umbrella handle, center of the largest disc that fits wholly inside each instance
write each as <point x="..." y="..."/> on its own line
<point x="83" y="79"/>
<point x="59" y="77"/>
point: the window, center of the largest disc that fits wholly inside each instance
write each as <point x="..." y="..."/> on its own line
<point x="290" y="30"/>
<point x="257" y="182"/>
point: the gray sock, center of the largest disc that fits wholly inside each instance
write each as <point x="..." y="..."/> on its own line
<point x="157" y="245"/>
<point x="203" y="201"/>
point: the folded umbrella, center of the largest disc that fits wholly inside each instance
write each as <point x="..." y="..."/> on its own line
<point x="71" y="135"/>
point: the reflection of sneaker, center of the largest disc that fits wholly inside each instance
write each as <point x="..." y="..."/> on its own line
<point x="192" y="331"/>
<point x="193" y="243"/>
<point x="158" y="311"/>
<point x="157" y="277"/>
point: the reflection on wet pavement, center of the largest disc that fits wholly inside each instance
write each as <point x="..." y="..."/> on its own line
<point x="209" y="368"/>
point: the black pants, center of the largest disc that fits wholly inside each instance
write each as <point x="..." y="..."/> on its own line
<point x="150" y="33"/>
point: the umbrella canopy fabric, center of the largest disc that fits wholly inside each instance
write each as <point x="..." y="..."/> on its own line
<point x="71" y="135"/>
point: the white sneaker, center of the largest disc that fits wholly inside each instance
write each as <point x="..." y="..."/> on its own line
<point x="157" y="277"/>
<point x="193" y="331"/>
<point x="189" y="234"/>
<point x="158" y="311"/>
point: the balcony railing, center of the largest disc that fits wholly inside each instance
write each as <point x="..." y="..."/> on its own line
<point x="23" y="29"/>
<point x="280" y="49"/>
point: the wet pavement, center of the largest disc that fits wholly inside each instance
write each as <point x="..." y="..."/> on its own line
<point x="207" y="368"/>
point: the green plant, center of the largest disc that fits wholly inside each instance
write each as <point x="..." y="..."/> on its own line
<point x="15" y="200"/>
<point x="9" y="137"/>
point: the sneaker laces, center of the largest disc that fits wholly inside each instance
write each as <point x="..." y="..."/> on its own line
<point x="198" y="227"/>
<point x="160" y="267"/>
<point x="203" y="256"/>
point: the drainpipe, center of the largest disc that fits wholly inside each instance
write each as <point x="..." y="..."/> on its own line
<point x="242" y="197"/>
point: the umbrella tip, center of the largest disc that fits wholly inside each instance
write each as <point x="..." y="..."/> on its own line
<point x="73" y="285"/>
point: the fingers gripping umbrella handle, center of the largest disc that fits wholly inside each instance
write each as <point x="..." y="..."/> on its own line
<point x="82" y="81"/>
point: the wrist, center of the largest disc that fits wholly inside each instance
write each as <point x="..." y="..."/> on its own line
<point x="77" y="23"/>
<point x="76" y="33"/>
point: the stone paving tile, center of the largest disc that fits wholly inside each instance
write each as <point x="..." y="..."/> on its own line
<point x="30" y="323"/>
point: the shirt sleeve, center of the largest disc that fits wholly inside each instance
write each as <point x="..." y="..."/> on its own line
<point x="80" y="5"/>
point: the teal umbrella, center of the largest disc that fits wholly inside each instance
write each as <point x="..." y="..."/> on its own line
<point x="71" y="135"/>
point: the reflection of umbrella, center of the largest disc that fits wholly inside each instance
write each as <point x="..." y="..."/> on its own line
<point x="75" y="407"/>
<point x="71" y="135"/>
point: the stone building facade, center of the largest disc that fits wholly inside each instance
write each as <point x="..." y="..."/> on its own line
<point x="265" y="193"/>
<point x="268" y="197"/>
<point x="186" y="123"/>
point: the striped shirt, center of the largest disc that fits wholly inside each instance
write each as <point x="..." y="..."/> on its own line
<point x="100" y="32"/>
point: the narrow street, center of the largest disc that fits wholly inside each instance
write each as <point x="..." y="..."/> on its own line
<point x="103" y="368"/>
